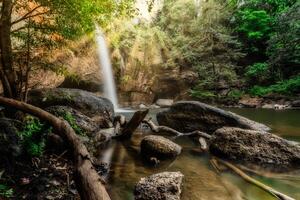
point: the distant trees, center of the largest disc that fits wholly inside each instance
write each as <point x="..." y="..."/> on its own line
<point x="30" y="29"/>
<point x="269" y="32"/>
<point x="202" y="39"/>
<point x="284" y="44"/>
<point x="233" y="45"/>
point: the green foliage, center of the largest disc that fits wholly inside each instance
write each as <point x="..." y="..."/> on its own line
<point x="71" y="120"/>
<point x="205" y="43"/>
<point x="257" y="69"/>
<point x="284" y="45"/>
<point x="49" y="24"/>
<point x="258" y="73"/>
<point x="254" y="24"/>
<point x="5" y="191"/>
<point x="255" y="19"/>
<point x="184" y="35"/>
<point x="287" y="87"/>
<point x="269" y="31"/>
<point x="33" y="136"/>
<point x="202" y="94"/>
<point x="235" y="94"/>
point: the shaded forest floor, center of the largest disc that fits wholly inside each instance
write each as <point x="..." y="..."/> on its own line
<point x="48" y="177"/>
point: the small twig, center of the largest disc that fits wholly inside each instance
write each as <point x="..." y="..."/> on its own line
<point x="61" y="155"/>
<point x="215" y="165"/>
<point x="203" y="144"/>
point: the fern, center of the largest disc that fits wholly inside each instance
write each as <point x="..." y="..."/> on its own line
<point x="5" y="191"/>
<point x="33" y="136"/>
<point x="71" y="120"/>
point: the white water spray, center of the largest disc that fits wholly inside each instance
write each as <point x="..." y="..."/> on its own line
<point x="109" y="85"/>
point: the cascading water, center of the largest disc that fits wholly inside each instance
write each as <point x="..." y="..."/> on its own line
<point x="109" y="85"/>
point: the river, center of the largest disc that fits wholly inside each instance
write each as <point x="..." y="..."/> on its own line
<point x="202" y="181"/>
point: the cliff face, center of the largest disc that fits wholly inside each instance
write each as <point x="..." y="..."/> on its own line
<point x="168" y="83"/>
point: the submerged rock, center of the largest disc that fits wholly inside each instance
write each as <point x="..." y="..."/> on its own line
<point x="255" y="147"/>
<point x="188" y="116"/>
<point x="159" y="147"/>
<point x="83" y="101"/>
<point x="162" y="186"/>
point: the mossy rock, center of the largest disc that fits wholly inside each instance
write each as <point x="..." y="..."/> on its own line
<point x="86" y="102"/>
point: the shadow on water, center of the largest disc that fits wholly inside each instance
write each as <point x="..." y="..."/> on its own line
<point x="201" y="181"/>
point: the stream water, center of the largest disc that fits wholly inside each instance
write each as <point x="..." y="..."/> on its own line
<point x="201" y="181"/>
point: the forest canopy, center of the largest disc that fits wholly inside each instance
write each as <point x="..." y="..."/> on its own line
<point x="250" y="47"/>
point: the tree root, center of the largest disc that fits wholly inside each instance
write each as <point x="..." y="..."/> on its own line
<point x="247" y="178"/>
<point x="158" y="129"/>
<point x="87" y="180"/>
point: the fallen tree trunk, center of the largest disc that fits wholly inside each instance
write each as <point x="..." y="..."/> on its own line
<point x="247" y="178"/>
<point x="134" y="122"/>
<point x="88" y="182"/>
<point x="158" y="129"/>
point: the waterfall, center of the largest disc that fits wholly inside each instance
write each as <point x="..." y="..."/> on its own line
<point x="109" y="85"/>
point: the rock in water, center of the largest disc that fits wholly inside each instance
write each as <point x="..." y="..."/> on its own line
<point x="255" y="147"/>
<point x="162" y="186"/>
<point x="186" y="116"/>
<point x="296" y="104"/>
<point x="83" y="101"/>
<point x="159" y="147"/>
<point x="164" y="102"/>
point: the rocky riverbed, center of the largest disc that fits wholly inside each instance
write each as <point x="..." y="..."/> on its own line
<point x="233" y="137"/>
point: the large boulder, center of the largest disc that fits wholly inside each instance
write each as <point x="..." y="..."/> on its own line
<point x="188" y="116"/>
<point x="159" y="147"/>
<point x="162" y="186"/>
<point x="255" y="147"/>
<point x="83" y="84"/>
<point x="83" y="101"/>
<point x="85" y="123"/>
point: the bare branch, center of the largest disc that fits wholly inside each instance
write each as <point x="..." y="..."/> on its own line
<point x="18" y="29"/>
<point x="29" y="15"/>
<point x="166" y="129"/>
<point x="247" y="178"/>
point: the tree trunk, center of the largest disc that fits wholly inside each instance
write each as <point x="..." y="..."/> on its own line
<point x="88" y="181"/>
<point x="8" y="74"/>
<point x="132" y="125"/>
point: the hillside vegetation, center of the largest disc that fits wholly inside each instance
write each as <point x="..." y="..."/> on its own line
<point x="236" y="47"/>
